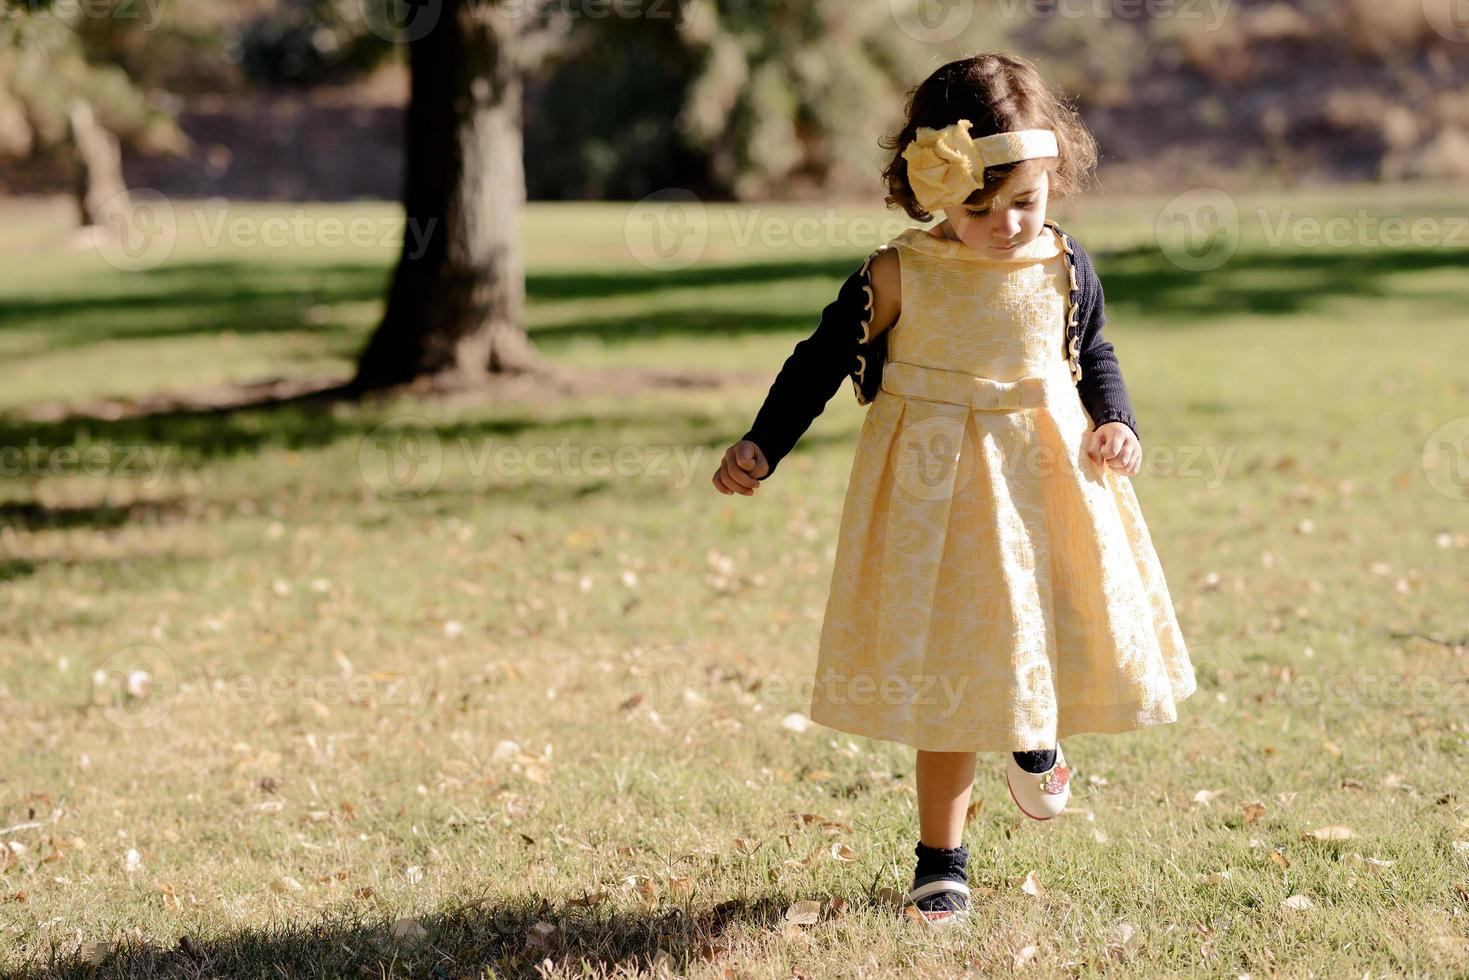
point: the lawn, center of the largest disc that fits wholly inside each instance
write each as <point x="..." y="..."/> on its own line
<point x="530" y="699"/>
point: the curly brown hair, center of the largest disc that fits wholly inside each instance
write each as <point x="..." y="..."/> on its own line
<point x="997" y="93"/>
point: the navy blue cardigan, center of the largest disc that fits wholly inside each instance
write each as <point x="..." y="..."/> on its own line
<point x="839" y="349"/>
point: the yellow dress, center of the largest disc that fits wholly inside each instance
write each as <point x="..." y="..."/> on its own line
<point x="994" y="589"/>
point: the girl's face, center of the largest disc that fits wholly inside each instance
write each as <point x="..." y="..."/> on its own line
<point x="1013" y="217"/>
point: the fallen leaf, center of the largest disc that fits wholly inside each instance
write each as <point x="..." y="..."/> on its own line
<point x="1024" y="956"/>
<point x="1031" y="885"/>
<point x="285" y="885"/>
<point x="1254" y="811"/>
<point x="1332" y="832"/>
<point x="1375" y="864"/>
<point x="1297" y="902"/>
<point x="803" y="913"/>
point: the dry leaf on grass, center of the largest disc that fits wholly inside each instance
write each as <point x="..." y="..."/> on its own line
<point x="285" y="885"/>
<point x="803" y="913"/>
<point x="1024" y="956"/>
<point x="1032" y="884"/>
<point x="1122" y="938"/>
<point x="1297" y="902"/>
<point x="1254" y="811"/>
<point x="542" y="937"/>
<point x="1376" y="864"/>
<point x="1332" y="832"/>
<point x="408" y="928"/>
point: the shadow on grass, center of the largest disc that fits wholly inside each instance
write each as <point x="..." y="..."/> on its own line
<point x="512" y="940"/>
<point x="202" y="298"/>
<point x="1143" y="281"/>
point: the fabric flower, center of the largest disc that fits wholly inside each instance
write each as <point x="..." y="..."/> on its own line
<point x="944" y="166"/>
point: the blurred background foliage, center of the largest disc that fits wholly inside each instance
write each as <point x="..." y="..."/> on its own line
<point x="747" y="100"/>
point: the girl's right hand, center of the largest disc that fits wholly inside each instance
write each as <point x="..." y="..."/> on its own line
<point x="741" y="469"/>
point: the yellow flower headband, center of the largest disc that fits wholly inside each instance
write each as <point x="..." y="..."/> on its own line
<point x="946" y="165"/>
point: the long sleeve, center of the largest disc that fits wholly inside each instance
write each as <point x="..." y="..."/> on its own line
<point x="814" y="371"/>
<point x="1101" y="387"/>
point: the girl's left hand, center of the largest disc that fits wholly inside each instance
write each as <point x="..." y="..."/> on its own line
<point x="1117" y="445"/>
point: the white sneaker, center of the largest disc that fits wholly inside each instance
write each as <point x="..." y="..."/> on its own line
<point x="1040" y="795"/>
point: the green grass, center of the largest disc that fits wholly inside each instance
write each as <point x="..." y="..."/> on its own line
<point x="524" y="715"/>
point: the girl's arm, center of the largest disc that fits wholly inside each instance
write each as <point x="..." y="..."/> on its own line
<point x="814" y="371"/>
<point x="1101" y="387"/>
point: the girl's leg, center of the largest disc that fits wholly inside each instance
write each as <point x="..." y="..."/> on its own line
<point x="945" y="780"/>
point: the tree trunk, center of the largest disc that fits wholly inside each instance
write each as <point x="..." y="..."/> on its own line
<point x="455" y="308"/>
<point x="102" y="194"/>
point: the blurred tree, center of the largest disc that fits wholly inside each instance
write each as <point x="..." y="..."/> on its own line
<point x="455" y="307"/>
<point x="762" y="93"/>
<point x="57" y="93"/>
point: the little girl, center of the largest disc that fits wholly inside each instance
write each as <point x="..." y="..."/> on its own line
<point x="995" y="587"/>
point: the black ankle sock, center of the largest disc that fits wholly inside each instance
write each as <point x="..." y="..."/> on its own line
<point x="1037" y="761"/>
<point x="941" y="862"/>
